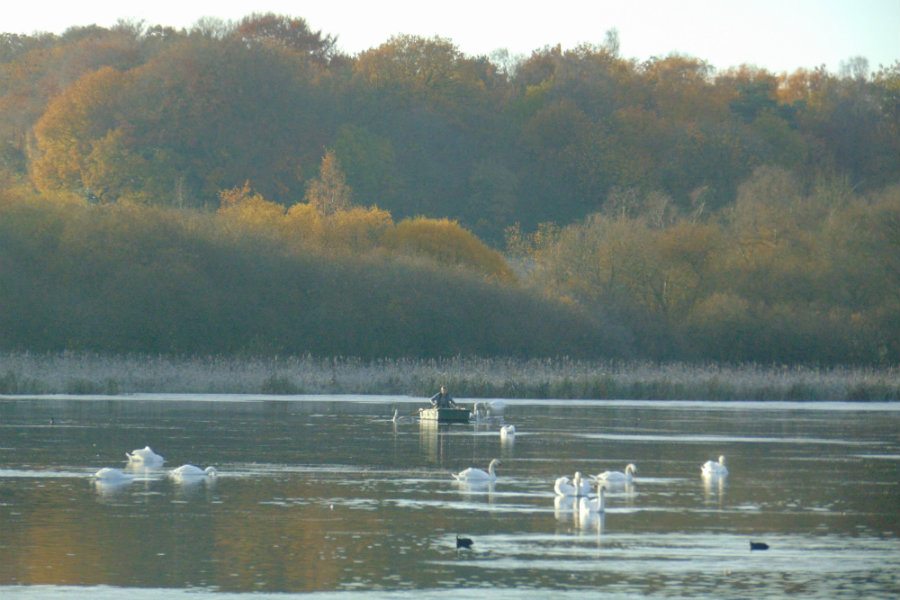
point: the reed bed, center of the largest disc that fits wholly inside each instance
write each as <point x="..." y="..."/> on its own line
<point x="86" y="373"/>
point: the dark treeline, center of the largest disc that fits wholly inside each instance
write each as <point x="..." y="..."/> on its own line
<point x="674" y="211"/>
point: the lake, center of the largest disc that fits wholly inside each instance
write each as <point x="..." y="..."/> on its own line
<point x="326" y="494"/>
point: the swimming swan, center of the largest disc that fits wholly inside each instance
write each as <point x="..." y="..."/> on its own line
<point x="508" y="431"/>
<point x="398" y="418"/>
<point x="596" y="505"/>
<point x="714" y="469"/>
<point x="576" y="486"/>
<point x="108" y="475"/>
<point x="473" y="474"/>
<point x="145" y="456"/>
<point x="617" y="476"/>
<point x="563" y="486"/>
<point x="192" y="473"/>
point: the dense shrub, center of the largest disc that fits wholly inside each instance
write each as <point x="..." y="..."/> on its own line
<point x="131" y="278"/>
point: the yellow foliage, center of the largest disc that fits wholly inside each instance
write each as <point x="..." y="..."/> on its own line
<point x="244" y="209"/>
<point x="304" y="225"/>
<point x="64" y="133"/>
<point x="694" y="245"/>
<point x="329" y="192"/>
<point x="357" y="229"/>
<point x="445" y="242"/>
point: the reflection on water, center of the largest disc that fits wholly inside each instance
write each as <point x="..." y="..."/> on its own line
<point x="334" y="495"/>
<point x="563" y="507"/>
<point x="590" y="521"/>
<point x="714" y="489"/>
<point x="478" y="493"/>
<point x="434" y="439"/>
<point x="107" y="490"/>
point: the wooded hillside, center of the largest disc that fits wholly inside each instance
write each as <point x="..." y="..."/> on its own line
<point x="658" y="209"/>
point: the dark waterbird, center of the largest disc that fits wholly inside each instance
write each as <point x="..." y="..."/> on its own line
<point x="759" y="546"/>
<point x="463" y="542"/>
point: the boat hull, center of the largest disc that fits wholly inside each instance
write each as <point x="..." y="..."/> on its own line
<point x="445" y="415"/>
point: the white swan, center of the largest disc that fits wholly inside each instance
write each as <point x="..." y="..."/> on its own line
<point x="398" y="418"/>
<point x="112" y="476"/>
<point x="576" y="486"/>
<point x="145" y="456"/>
<point x="563" y="486"/>
<point x="714" y="469"/>
<point x="478" y="412"/>
<point x="596" y="505"/>
<point x="508" y="431"/>
<point x="617" y="476"/>
<point x="472" y="474"/>
<point x="192" y="473"/>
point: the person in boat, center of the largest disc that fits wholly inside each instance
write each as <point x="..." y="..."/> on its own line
<point x="443" y="400"/>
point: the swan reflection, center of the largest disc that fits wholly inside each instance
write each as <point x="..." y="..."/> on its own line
<point x="591" y="521"/>
<point x="563" y="507"/>
<point x="714" y="489"/>
<point x="477" y="488"/>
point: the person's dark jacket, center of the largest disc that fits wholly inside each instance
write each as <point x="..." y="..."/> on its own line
<point x="443" y="401"/>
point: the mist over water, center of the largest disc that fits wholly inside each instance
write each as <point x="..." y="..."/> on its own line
<point x="327" y="494"/>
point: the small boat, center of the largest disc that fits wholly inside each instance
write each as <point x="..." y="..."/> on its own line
<point x="445" y="415"/>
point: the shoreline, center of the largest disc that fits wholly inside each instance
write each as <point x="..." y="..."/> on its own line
<point x="78" y="373"/>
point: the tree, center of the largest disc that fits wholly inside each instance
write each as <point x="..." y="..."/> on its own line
<point x="448" y="244"/>
<point x="569" y="164"/>
<point x="493" y="197"/>
<point x="203" y="116"/>
<point x="249" y="211"/>
<point x="681" y="88"/>
<point x="292" y="33"/>
<point x="428" y="66"/>
<point x="67" y="131"/>
<point x="370" y="164"/>
<point x="752" y="91"/>
<point x="329" y="192"/>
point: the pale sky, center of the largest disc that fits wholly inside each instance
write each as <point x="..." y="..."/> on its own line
<point x="778" y="35"/>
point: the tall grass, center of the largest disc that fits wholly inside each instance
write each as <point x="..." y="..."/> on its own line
<point x="87" y="373"/>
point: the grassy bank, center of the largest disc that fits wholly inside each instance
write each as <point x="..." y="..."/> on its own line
<point x="83" y="373"/>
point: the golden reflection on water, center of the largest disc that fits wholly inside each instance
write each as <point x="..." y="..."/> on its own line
<point x="433" y="439"/>
<point x="714" y="489"/>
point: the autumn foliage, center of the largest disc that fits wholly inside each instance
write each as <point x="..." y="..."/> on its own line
<point x="126" y="278"/>
<point x="660" y="208"/>
<point x="783" y="276"/>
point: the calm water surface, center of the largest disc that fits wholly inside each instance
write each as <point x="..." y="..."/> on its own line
<point x="327" y="495"/>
